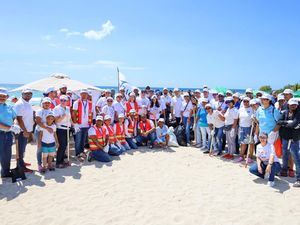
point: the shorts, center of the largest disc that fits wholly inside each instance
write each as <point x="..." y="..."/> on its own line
<point x="244" y="135"/>
<point x="48" y="148"/>
<point x="161" y="140"/>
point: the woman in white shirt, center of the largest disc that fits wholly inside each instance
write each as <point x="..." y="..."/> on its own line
<point x="187" y="116"/>
<point x="154" y="109"/>
<point x="245" y="124"/>
<point x="267" y="163"/>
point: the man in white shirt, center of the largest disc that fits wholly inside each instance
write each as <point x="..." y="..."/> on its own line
<point x="186" y="116"/>
<point x="143" y="103"/>
<point x="63" y="121"/>
<point x="108" y="109"/>
<point x="25" y="118"/>
<point x="119" y="106"/>
<point x="102" y="102"/>
<point x="168" y="101"/>
<point x="176" y="106"/>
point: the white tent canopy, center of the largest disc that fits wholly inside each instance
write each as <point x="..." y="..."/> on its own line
<point x="56" y="80"/>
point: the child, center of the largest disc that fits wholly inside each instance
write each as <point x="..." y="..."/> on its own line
<point x="48" y="143"/>
<point x="161" y="134"/>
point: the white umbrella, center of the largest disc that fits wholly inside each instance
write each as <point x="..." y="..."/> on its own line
<point x="56" y="80"/>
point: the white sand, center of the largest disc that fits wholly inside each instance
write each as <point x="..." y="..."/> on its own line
<point x="181" y="186"/>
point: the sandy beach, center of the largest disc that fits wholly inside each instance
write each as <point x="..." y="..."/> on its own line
<point x="156" y="187"/>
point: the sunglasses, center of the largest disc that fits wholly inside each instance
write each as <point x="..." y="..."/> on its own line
<point x="63" y="100"/>
<point x="109" y="101"/>
<point x="263" y="137"/>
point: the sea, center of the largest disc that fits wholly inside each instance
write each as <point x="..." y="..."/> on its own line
<point x="37" y="95"/>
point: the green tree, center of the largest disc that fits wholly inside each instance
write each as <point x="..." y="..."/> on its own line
<point x="266" y="88"/>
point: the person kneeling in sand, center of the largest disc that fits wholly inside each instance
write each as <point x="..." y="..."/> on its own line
<point x="48" y="143"/>
<point x="146" y="130"/>
<point x="119" y="129"/>
<point x="267" y="161"/>
<point x="162" y="138"/>
<point x="98" y="141"/>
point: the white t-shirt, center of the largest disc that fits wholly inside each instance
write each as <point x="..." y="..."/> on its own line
<point x="60" y="111"/>
<point x="162" y="104"/>
<point x="245" y="116"/>
<point x="177" y="105"/>
<point x="155" y="110"/>
<point x="47" y="137"/>
<point x="143" y="105"/>
<point x="42" y="113"/>
<point x="161" y="131"/>
<point x="186" y="108"/>
<point x="85" y="113"/>
<point x="215" y="120"/>
<point x="24" y="109"/>
<point x="101" y="102"/>
<point x="167" y="99"/>
<point x="119" y="108"/>
<point x="231" y="115"/>
<point x="109" y="110"/>
<point x="264" y="153"/>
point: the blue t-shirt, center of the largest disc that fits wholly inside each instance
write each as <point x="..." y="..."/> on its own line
<point x="7" y="115"/>
<point x="267" y="118"/>
<point x="201" y="114"/>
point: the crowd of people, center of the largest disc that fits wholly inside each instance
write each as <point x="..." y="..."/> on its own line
<point x="242" y="127"/>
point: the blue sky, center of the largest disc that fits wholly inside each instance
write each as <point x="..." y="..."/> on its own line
<point x="231" y="43"/>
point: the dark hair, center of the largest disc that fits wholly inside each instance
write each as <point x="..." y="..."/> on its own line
<point x="156" y="103"/>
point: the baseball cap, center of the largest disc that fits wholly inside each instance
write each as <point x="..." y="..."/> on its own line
<point x="3" y="91"/>
<point x="132" y="111"/>
<point x="121" y="116"/>
<point x="84" y="91"/>
<point x="50" y="89"/>
<point x="27" y="90"/>
<point x="99" y="118"/>
<point x="208" y="106"/>
<point x="50" y="114"/>
<point x="249" y="90"/>
<point x="45" y="100"/>
<point x="293" y="101"/>
<point x="266" y="96"/>
<point x="176" y="89"/>
<point x="62" y="86"/>
<point x="64" y="97"/>
<point x="288" y="91"/>
<point x="161" y="120"/>
<point x="107" y="117"/>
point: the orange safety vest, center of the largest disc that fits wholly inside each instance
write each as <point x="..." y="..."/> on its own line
<point x="129" y="107"/>
<point x="111" y="135"/>
<point x="131" y="126"/>
<point x="101" y="136"/>
<point x="120" y="134"/>
<point x="144" y="127"/>
<point x="78" y="113"/>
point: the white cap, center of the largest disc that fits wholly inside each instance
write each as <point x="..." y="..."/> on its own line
<point x="204" y="100"/>
<point x="135" y="88"/>
<point x="246" y="99"/>
<point x="236" y="95"/>
<point x="220" y="93"/>
<point x="154" y="96"/>
<point x="132" y="94"/>
<point x="259" y="92"/>
<point x="132" y="111"/>
<point x="122" y="89"/>
<point x="64" y="97"/>
<point x="50" y="114"/>
<point x="197" y="91"/>
<point x="3" y="91"/>
<point x="229" y="92"/>
<point x="186" y="94"/>
<point x="50" y="89"/>
<point x="280" y="97"/>
<point x="288" y="91"/>
<point x="161" y="120"/>
<point x="266" y="96"/>
<point x="69" y="92"/>
<point x="107" y="117"/>
<point x="175" y="89"/>
<point x="208" y="105"/>
<point x="62" y="86"/>
<point x="24" y="91"/>
<point x="107" y="91"/>
<point x="46" y="100"/>
<point x="228" y="99"/>
<point x="165" y="89"/>
<point x="213" y="91"/>
<point x="99" y="118"/>
<point x="119" y="95"/>
<point x="249" y="90"/>
<point x="293" y="101"/>
<point x="121" y="116"/>
<point x="84" y="91"/>
<point x="205" y="89"/>
<point x="109" y="98"/>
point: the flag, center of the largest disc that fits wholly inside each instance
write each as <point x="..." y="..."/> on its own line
<point x="124" y="84"/>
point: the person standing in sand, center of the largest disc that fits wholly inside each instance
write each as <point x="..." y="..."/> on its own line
<point x="7" y="129"/>
<point x="25" y="118"/>
<point x="131" y="124"/>
<point x="187" y="116"/>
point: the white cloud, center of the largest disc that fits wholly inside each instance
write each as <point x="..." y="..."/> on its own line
<point x="63" y="30"/>
<point x="73" y="33"/>
<point x="77" y="48"/>
<point x="108" y="63"/>
<point x="106" y="30"/>
<point x="46" y="37"/>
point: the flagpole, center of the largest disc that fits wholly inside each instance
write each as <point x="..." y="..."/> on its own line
<point x="118" y="79"/>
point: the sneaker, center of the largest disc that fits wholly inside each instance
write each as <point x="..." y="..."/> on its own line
<point x="218" y="154"/>
<point x="151" y="146"/>
<point x="188" y="145"/>
<point x="297" y="184"/>
<point x="239" y="160"/>
<point x="90" y="158"/>
<point x="271" y="183"/>
<point x="250" y="161"/>
<point x="206" y="152"/>
<point x="8" y="175"/>
<point x="40" y="168"/>
<point x="291" y="173"/>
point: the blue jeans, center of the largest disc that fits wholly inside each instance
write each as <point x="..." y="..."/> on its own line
<point x="294" y="149"/>
<point x="6" y="140"/>
<point x="38" y="150"/>
<point x="151" y="137"/>
<point x="274" y="170"/>
<point x="131" y="143"/>
<point x="125" y="147"/>
<point x="114" y="150"/>
<point x="101" y="156"/>
<point x="187" y="128"/>
<point x="22" y="146"/>
<point x="80" y="140"/>
<point x="219" y="138"/>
